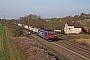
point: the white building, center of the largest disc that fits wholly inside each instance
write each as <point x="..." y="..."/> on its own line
<point x="74" y="27"/>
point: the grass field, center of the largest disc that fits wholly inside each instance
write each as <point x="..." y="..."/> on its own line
<point x="8" y="48"/>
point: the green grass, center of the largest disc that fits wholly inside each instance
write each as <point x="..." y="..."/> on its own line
<point x="4" y="53"/>
<point x="0" y="24"/>
<point x="8" y="48"/>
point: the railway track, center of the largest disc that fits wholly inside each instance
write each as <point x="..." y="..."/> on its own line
<point x="75" y="49"/>
<point x="68" y="48"/>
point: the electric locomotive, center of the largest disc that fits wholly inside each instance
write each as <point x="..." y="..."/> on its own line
<point x="47" y="34"/>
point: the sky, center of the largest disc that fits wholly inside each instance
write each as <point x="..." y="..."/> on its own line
<point x="14" y="9"/>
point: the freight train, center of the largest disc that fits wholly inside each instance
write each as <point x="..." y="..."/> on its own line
<point x="47" y="34"/>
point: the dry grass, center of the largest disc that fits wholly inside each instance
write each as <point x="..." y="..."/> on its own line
<point x="84" y="40"/>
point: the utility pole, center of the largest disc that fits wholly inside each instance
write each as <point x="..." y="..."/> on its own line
<point x="4" y="16"/>
<point x="48" y="24"/>
<point x="28" y="26"/>
<point x="28" y="21"/>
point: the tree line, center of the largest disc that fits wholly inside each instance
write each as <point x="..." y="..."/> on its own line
<point x="37" y="21"/>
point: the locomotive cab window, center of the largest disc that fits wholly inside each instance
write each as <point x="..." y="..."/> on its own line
<point x="50" y="33"/>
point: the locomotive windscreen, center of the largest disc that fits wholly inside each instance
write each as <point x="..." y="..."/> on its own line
<point x="50" y="33"/>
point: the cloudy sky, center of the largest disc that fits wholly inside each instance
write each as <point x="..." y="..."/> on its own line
<point x="45" y="8"/>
